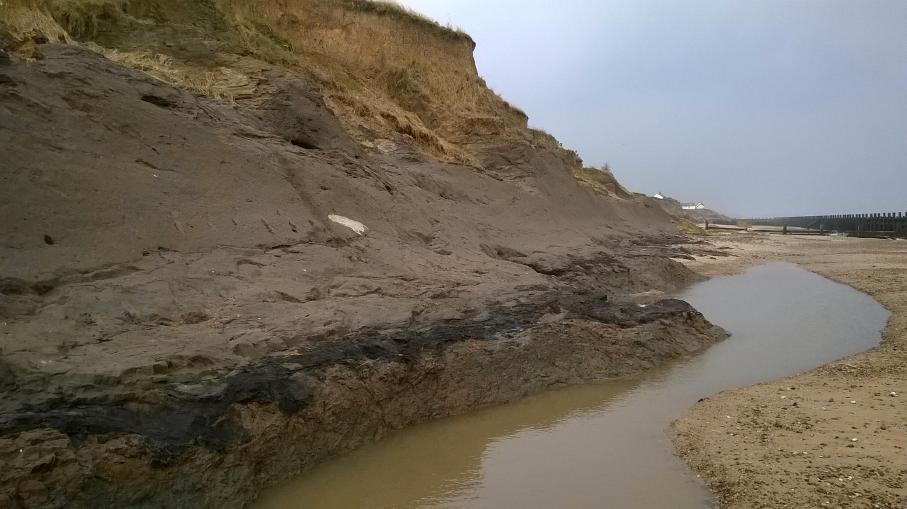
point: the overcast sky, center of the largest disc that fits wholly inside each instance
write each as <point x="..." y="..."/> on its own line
<point x="760" y="107"/>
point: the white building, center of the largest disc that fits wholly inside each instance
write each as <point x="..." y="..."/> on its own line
<point x="693" y="206"/>
<point x="658" y="196"/>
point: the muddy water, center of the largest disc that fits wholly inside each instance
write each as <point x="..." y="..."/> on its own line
<point x="602" y="445"/>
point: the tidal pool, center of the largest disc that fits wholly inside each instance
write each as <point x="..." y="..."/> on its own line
<point x="602" y="445"/>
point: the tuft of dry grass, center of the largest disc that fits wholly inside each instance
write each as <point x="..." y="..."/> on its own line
<point x="61" y="20"/>
<point x="686" y="226"/>
<point x="83" y="18"/>
<point x="25" y="19"/>
<point x="545" y="139"/>
<point x="220" y="83"/>
<point x="601" y="181"/>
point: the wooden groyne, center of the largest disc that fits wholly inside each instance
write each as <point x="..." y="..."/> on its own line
<point x="878" y="224"/>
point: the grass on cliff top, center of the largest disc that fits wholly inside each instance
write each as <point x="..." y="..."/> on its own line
<point x="83" y="18"/>
<point x="392" y="8"/>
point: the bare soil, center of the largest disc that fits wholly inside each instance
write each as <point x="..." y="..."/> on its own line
<point x="832" y="437"/>
<point x="182" y="322"/>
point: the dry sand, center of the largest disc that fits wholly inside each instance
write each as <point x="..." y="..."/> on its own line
<point x="831" y="437"/>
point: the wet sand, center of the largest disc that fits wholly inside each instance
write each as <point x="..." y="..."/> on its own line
<point x="831" y="437"/>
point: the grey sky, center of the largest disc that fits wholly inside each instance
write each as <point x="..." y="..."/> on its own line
<point x="763" y="107"/>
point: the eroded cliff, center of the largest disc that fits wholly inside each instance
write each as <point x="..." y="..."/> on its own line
<point x="238" y="237"/>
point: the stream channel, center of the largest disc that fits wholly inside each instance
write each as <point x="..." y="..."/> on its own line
<point x="602" y="444"/>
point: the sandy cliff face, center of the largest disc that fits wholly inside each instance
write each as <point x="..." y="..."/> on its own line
<point x="392" y="74"/>
<point x="187" y="314"/>
<point x="387" y="74"/>
<point x="233" y="121"/>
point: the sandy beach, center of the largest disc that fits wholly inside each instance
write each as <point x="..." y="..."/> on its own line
<point x="830" y="437"/>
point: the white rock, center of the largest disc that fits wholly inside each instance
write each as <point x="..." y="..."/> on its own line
<point x="352" y="224"/>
